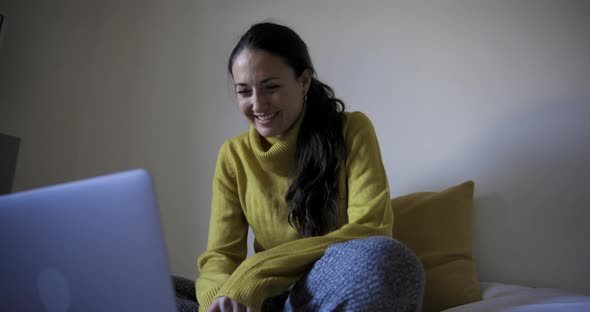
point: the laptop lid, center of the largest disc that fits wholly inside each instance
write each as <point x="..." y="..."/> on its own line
<point x="89" y="245"/>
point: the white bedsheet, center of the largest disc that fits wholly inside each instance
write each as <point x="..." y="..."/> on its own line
<point x="499" y="297"/>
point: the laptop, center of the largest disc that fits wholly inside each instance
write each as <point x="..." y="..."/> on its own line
<point x="89" y="245"/>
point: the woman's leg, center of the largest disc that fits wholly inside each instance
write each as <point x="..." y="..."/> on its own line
<point x="186" y="298"/>
<point x="373" y="274"/>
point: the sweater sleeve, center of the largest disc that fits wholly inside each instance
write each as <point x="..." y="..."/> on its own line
<point x="273" y="271"/>
<point x="228" y="230"/>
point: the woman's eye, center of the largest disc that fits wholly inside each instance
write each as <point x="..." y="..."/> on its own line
<point x="242" y="92"/>
<point x="273" y="87"/>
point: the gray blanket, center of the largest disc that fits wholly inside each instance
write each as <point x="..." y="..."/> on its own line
<point x="186" y="299"/>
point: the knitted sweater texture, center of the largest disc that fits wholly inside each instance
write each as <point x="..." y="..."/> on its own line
<point x="251" y="179"/>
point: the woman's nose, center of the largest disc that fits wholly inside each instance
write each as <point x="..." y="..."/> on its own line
<point x="259" y="102"/>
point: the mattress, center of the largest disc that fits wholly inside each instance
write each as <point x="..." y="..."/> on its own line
<point x="513" y="298"/>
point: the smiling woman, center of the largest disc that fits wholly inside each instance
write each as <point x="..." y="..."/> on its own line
<point x="309" y="180"/>
<point x="269" y="93"/>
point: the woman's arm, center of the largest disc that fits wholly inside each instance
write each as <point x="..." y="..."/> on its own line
<point x="271" y="272"/>
<point x="228" y="230"/>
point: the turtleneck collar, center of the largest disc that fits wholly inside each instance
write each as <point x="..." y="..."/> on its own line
<point x="277" y="155"/>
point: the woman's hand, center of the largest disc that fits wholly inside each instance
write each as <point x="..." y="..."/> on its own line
<point x="227" y="304"/>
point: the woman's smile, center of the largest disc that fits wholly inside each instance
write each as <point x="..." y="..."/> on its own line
<point x="265" y="119"/>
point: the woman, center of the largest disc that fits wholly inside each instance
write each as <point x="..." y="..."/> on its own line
<point x="309" y="180"/>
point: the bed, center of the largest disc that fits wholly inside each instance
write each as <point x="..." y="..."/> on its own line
<point x="498" y="297"/>
<point x="438" y="227"/>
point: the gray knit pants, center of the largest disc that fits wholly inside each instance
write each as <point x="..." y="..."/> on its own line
<point x="373" y="274"/>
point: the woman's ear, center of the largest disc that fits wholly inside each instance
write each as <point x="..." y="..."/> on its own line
<point x="305" y="80"/>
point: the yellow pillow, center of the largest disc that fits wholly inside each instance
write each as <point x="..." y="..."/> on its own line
<point x="437" y="227"/>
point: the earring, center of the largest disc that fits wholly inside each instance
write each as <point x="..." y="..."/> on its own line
<point x="305" y="97"/>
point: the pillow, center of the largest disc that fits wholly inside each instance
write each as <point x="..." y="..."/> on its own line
<point x="437" y="227"/>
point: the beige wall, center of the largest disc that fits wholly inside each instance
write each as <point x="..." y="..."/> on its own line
<point x="495" y="91"/>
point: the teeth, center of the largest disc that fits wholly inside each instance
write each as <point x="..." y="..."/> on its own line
<point x="266" y="116"/>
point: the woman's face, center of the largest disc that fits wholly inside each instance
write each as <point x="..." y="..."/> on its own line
<point x="268" y="93"/>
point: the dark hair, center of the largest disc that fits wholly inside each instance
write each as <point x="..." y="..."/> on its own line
<point x="312" y="197"/>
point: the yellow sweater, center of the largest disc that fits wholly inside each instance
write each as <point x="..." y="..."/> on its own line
<point x="250" y="183"/>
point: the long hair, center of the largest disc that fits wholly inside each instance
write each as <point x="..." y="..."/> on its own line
<point x="312" y="196"/>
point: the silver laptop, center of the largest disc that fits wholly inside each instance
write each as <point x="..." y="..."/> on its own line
<point x="90" y="245"/>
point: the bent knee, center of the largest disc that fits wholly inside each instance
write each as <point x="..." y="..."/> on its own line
<point x="370" y="245"/>
<point x="373" y="251"/>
